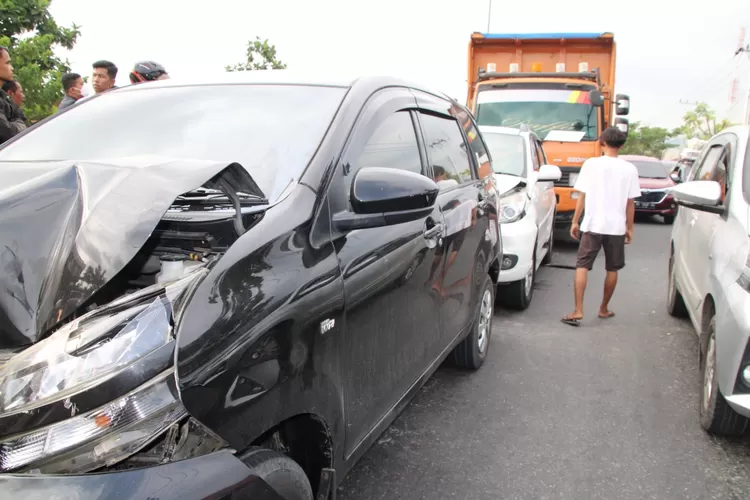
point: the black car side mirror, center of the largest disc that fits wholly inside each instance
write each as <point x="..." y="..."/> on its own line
<point x="386" y="196"/>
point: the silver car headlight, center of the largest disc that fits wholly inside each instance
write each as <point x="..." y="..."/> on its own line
<point x="80" y="355"/>
<point x="511" y="207"/>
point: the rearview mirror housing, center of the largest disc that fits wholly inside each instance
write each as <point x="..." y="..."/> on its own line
<point x="675" y="177"/>
<point x="622" y="105"/>
<point x="596" y="98"/>
<point x="386" y="196"/>
<point x="549" y="173"/>
<point x="699" y="195"/>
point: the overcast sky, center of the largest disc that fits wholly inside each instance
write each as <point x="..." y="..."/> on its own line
<point x="667" y="51"/>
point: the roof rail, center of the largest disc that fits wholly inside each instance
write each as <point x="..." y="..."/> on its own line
<point x="588" y="75"/>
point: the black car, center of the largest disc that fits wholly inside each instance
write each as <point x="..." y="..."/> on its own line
<point x="230" y="288"/>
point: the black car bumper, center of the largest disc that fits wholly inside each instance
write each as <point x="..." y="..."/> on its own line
<point x="218" y="475"/>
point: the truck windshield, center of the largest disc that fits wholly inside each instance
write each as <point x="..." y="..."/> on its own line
<point x="271" y="130"/>
<point x="542" y="110"/>
<point x="650" y="169"/>
<point x="507" y="153"/>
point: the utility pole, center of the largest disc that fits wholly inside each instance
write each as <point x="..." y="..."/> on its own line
<point x="489" y="15"/>
<point x="746" y="50"/>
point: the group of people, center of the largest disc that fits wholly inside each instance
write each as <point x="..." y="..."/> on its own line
<point x="12" y="118"/>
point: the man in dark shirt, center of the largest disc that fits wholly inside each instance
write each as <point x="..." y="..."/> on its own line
<point x="11" y="118"/>
<point x="103" y="79"/>
<point x="15" y="92"/>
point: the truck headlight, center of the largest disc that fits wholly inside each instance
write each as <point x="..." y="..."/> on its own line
<point x="511" y="207"/>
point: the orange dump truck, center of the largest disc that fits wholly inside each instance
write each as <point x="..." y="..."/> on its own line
<point x="561" y="85"/>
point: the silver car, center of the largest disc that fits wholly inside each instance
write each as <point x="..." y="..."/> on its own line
<point x="709" y="275"/>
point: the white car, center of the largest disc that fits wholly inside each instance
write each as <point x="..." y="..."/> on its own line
<point x="526" y="208"/>
<point x="709" y="275"/>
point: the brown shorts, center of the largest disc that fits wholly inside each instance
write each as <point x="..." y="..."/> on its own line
<point x="614" y="251"/>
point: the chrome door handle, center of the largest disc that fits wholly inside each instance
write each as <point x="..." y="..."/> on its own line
<point x="434" y="231"/>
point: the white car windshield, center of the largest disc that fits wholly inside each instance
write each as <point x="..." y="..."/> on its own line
<point x="543" y="110"/>
<point x="508" y="153"/>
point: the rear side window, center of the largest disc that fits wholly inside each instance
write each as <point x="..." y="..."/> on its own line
<point x="446" y="150"/>
<point x="476" y="144"/>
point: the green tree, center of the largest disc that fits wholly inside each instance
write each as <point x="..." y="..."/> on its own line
<point x="260" y="55"/>
<point x="701" y="123"/>
<point x="30" y="33"/>
<point x="647" y="141"/>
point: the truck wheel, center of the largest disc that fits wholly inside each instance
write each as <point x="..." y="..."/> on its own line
<point x="518" y="294"/>
<point x="716" y="416"/>
<point x="675" y="303"/>
<point x="668" y="219"/>
<point x="472" y="350"/>
<point x="281" y="473"/>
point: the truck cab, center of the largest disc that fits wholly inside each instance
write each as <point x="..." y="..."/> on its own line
<point x="560" y="85"/>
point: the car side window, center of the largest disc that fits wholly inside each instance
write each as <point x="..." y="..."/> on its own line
<point x="477" y="146"/>
<point x="719" y="173"/>
<point x="704" y="165"/>
<point x="393" y="144"/>
<point x="446" y="150"/>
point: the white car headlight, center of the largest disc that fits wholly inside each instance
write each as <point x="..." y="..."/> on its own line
<point x="511" y="207"/>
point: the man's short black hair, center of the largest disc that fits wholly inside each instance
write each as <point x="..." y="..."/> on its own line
<point x="69" y="79"/>
<point x="10" y="86"/>
<point x="613" y="137"/>
<point x="109" y="66"/>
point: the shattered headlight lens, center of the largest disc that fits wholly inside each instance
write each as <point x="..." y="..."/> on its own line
<point x="91" y="349"/>
<point x="100" y="437"/>
<point x="512" y="207"/>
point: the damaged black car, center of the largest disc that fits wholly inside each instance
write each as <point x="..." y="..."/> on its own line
<point x="230" y="288"/>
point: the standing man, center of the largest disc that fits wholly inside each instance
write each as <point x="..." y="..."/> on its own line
<point x="11" y="118"/>
<point x="608" y="187"/>
<point x="14" y="91"/>
<point x="105" y="73"/>
<point x="72" y="84"/>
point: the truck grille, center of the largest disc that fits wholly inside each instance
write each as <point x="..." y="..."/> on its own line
<point x="565" y="178"/>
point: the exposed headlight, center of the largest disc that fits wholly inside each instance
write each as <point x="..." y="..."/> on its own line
<point x="101" y="437"/>
<point x="81" y="355"/>
<point x="91" y="349"/>
<point x="511" y="207"/>
<point x="573" y="177"/>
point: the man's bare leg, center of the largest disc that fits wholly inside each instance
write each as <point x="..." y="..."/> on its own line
<point x="579" y="288"/>
<point x="610" y="282"/>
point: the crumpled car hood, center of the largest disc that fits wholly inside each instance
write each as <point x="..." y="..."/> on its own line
<point x="68" y="227"/>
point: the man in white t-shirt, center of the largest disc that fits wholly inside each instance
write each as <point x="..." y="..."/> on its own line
<point x="608" y="187"/>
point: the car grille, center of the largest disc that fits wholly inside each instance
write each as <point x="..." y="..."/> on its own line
<point x="565" y="177"/>
<point x="651" y="196"/>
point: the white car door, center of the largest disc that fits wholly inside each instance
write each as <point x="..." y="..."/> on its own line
<point x="545" y="196"/>
<point x="695" y="246"/>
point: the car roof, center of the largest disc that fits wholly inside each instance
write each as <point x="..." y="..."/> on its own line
<point x="490" y="129"/>
<point x="641" y="158"/>
<point x="332" y="78"/>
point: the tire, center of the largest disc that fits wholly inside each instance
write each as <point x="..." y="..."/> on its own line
<point x="472" y="351"/>
<point x="518" y="294"/>
<point x="550" y="246"/>
<point x="716" y="416"/>
<point x="281" y="473"/>
<point x="668" y="219"/>
<point x="675" y="303"/>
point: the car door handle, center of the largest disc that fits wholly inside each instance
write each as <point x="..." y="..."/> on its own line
<point x="434" y="231"/>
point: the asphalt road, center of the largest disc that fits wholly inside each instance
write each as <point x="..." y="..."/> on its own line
<point x="604" y="411"/>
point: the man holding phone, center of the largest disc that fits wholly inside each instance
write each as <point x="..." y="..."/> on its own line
<point x="608" y="186"/>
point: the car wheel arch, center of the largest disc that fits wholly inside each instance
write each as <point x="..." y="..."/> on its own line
<point x="707" y="312"/>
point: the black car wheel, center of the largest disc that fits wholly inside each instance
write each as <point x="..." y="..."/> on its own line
<point x="668" y="219"/>
<point x="281" y="473"/>
<point x="675" y="303"/>
<point x="472" y="350"/>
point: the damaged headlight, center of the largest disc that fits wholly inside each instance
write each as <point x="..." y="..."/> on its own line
<point x="80" y="355"/>
<point x="511" y="207"/>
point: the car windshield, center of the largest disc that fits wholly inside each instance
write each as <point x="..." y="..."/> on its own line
<point x="650" y="169"/>
<point x="543" y="110"/>
<point x="507" y="153"/>
<point x="271" y="130"/>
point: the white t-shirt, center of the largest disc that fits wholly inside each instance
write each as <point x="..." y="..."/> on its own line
<point x="608" y="184"/>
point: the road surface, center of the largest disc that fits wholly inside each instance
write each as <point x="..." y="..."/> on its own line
<point x="604" y="411"/>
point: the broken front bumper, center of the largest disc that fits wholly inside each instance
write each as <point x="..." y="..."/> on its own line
<point x="216" y="475"/>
